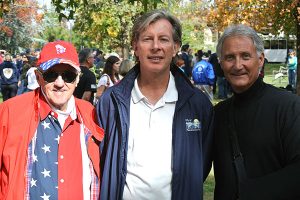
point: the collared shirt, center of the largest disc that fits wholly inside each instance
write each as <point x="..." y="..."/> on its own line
<point x="149" y="159"/>
<point x="72" y="137"/>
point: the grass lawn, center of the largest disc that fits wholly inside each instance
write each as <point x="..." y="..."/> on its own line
<point x="209" y="186"/>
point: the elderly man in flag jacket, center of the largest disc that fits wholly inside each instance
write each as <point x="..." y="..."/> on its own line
<point x="49" y="141"/>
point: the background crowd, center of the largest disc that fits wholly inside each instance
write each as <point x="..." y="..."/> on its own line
<point x="102" y="70"/>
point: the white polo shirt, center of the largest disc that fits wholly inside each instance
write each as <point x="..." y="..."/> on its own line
<point x="149" y="156"/>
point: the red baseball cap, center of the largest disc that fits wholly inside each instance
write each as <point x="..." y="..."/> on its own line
<point x="58" y="52"/>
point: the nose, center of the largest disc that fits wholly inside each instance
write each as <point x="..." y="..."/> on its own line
<point x="59" y="82"/>
<point x="238" y="63"/>
<point x="156" y="44"/>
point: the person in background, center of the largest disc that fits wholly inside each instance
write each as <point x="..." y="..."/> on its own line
<point x="32" y="82"/>
<point x="2" y="55"/>
<point x="9" y="78"/>
<point x="213" y="59"/>
<point x="292" y="68"/>
<point x="23" y="77"/>
<point x="220" y="79"/>
<point x="257" y="138"/>
<point x="158" y="126"/>
<point x="87" y="82"/>
<point x="179" y="62"/>
<point x="125" y="66"/>
<point x="186" y="57"/>
<point x="49" y="141"/>
<point x="99" y="62"/>
<point x="203" y="75"/>
<point x="19" y="63"/>
<point x="110" y="75"/>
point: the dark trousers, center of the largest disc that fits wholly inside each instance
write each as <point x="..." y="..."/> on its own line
<point x="222" y="88"/>
<point x="9" y="91"/>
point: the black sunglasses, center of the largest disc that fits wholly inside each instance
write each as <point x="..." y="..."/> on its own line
<point x="67" y="76"/>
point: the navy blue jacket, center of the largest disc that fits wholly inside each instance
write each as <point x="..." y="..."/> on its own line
<point x="191" y="159"/>
<point x="13" y="78"/>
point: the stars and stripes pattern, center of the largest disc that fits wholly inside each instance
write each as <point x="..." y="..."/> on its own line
<point x="50" y="63"/>
<point x="44" y="173"/>
<point x="34" y="191"/>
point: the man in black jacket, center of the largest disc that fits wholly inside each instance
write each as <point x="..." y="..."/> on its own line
<point x="257" y="137"/>
<point x="86" y="87"/>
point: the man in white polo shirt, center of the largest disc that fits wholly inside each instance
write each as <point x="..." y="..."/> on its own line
<point x="158" y="127"/>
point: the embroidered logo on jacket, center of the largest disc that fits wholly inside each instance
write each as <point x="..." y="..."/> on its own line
<point x="192" y="125"/>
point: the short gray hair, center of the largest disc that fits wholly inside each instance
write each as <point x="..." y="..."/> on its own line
<point x="84" y="55"/>
<point x="240" y="30"/>
<point x="146" y="19"/>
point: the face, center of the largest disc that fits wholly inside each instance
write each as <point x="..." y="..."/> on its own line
<point x="90" y="60"/>
<point x="155" y="47"/>
<point x="240" y="62"/>
<point x="58" y="92"/>
<point x="116" y="66"/>
<point x="292" y="54"/>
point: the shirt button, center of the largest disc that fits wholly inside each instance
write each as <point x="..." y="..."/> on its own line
<point x="62" y="180"/>
<point x="52" y="113"/>
<point x="61" y="157"/>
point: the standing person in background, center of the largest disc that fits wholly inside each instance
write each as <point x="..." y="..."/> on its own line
<point x="32" y="82"/>
<point x="49" y="141"/>
<point x="2" y="54"/>
<point x="110" y="74"/>
<point x="257" y="137"/>
<point x="19" y="63"/>
<point x="158" y="127"/>
<point x="99" y="62"/>
<point x="186" y="57"/>
<point x="87" y="82"/>
<point x="292" y="68"/>
<point x="213" y="59"/>
<point x="220" y="79"/>
<point x="9" y="78"/>
<point x="125" y="66"/>
<point x="203" y="75"/>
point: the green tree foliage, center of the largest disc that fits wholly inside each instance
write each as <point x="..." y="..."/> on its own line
<point x="16" y="25"/>
<point x="51" y="29"/>
<point x="106" y="25"/>
<point x="266" y="16"/>
<point x="251" y="12"/>
<point x="193" y="17"/>
<point x="286" y="17"/>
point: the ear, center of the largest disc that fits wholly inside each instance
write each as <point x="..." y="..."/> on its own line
<point x="77" y="80"/>
<point x="261" y="60"/>
<point x="39" y="77"/>
<point x="134" y="48"/>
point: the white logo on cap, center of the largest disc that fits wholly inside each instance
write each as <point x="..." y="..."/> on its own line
<point x="60" y="49"/>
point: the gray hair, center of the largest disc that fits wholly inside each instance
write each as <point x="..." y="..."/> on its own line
<point x="240" y="30"/>
<point x="146" y="19"/>
<point x="84" y="55"/>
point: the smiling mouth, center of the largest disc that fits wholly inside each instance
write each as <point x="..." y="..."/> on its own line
<point x="238" y="74"/>
<point x="156" y="58"/>
<point x="58" y="91"/>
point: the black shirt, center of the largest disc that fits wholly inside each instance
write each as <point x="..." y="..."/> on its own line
<point x="87" y="82"/>
<point x="267" y="122"/>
